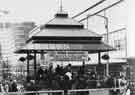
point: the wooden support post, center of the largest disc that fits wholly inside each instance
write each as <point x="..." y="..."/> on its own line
<point x="28" y="66"/>
<point x="35" y="65"/>
<point x="99" y="58"/>
<point x="42" y="57"/>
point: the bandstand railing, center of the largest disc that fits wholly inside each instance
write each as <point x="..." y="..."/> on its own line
<point x="45" y="92"/>
<point x="99" y="91"/>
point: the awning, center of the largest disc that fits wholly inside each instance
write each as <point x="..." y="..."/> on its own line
<point x="91" y="48"/>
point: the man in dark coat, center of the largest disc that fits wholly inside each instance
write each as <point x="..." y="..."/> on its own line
<point x="14" y="86"/>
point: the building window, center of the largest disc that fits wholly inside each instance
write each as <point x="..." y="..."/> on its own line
<point x="118" y="44"/>
<point x="21" y="36"/>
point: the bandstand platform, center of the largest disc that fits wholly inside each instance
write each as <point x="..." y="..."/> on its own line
<point x="64" y="34"/>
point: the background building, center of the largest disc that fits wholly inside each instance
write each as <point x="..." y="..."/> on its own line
<point x="117" y="39"/>
<point x="0" y="63"/>
<point x="117" y="20"/>
<point x="13" y="36"/>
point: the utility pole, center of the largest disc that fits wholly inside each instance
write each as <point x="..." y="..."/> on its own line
<point x="107" y="40"/>
<point x="107" y="36"/>
<point x="87" y="22"/>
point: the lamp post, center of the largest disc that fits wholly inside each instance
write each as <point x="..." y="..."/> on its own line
<point x="107" y="36"/>
<point x="106" y="27"/>
<point x="107" y="40"/>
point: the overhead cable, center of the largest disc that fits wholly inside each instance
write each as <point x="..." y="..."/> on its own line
<point x="102" y="10"/>
<point x="98" y="3"/>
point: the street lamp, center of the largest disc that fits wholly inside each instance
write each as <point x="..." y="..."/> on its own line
<point x="107" y="40"/>
<point x="107" y="36"/>
<point x="106" y="27"/>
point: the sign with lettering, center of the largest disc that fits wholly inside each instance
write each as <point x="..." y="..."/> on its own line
<point x="68" y="55"/>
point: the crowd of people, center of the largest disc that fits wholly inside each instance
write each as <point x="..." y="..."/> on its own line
<point x="64" y="78"/>
<point x="8" y="86"/>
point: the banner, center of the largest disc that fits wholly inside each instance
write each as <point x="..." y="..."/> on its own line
<point x="68" y="55"/>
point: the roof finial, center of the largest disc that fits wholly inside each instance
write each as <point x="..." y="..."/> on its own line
<point x="61" y="6"/>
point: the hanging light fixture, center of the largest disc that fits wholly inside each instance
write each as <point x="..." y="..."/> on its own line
<point x="105" y="57"/>
<point x="30" y="57"/>
<point x="89" y="58"/>
<point x="22" y="59"/>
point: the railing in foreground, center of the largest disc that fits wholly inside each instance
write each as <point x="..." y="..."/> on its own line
<point x="100" y="91"/>
<point x="45" y="92"/>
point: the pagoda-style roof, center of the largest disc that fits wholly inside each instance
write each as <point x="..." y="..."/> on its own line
<point x="61" y="18"/>
<point x="67" y="32"/>
<point x="62" y="26"/>
<point x="91" y="48"/>
<point x="64" y="34"/>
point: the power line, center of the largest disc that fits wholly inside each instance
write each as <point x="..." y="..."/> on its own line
<point x="121" y="29"/>
<point x="102" y="10"/>
<point x="98" y="3"/>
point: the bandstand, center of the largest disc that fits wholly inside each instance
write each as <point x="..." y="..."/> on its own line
<point x="62" y="33"/>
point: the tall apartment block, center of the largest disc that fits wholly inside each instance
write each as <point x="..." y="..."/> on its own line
<point x="12" y="37"/>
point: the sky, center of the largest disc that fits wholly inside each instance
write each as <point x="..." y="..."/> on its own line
<point x="131" y="27"/>
<point x="40" y="11"/>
